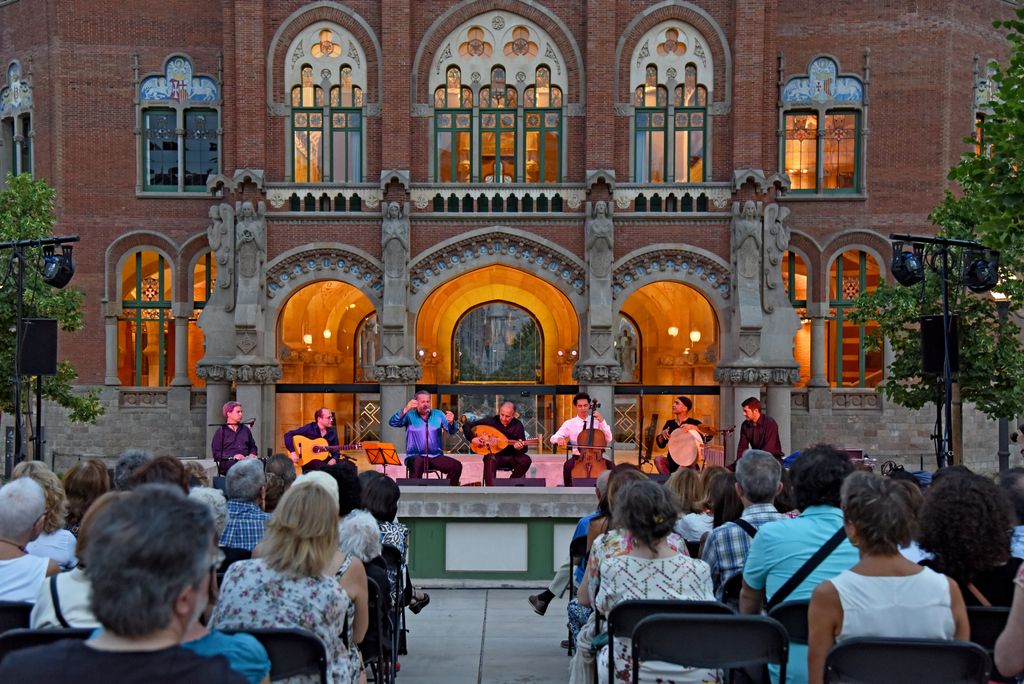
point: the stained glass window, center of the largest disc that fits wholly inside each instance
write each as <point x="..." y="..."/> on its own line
<point x="543" y="127"/>
<point x="161" y="149"/>
<point x="850" y="364"/>
<point x="145" y="329"/>
<point x="453" y="130"/>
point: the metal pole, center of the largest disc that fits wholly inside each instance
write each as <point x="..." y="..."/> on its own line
<point x="39" y="418"/>
<point x="1003" y="455"/>
<point x="19" y="446"/>
<point x="947" y="371"/>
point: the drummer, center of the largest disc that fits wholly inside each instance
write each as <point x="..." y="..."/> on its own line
<point x="513" y="457"/>
<point x="681" y="407"/>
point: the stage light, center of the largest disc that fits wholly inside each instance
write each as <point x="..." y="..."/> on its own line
<point x="57" y="269"/>
<point x="907" y="267"/>
<point x="981" y="270"/>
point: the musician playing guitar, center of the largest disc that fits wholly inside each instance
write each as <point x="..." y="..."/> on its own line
<point x="572" y="428"/>
<point x="513" y="455"/>
<point x="681" y="407"/>
<point x="322" y="427"/>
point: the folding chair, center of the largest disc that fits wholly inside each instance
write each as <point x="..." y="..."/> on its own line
<point x="373" y="646"/>
<point x="17" y="639"/>
<point x="793" y="616"/>
<point x="15" y="615"/>
<point x="623" y="618"/>
<point x="987" y="623"/>
<point x="393" y="558"/>
<point x="711" y="641"/>
<point x="292" y="652"/>
<point x="577" y="555"/>
<point x="866" y="659"/>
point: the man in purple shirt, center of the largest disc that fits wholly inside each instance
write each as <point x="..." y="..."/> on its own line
<point x="424" y="441"/>
<point x="233" y="441"/>
<point x="758" y="431"/>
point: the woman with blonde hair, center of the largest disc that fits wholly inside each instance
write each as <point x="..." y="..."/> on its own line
<point x="684" y="485"/>
<point x="54" y="542"/>
<point x="292" y="583"/>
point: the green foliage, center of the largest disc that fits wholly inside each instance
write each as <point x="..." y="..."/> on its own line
<point x="26" y="212"/>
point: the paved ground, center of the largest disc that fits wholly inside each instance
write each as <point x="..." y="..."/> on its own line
<point x="484" y="636"/>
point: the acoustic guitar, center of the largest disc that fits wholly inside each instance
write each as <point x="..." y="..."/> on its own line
<point x="318" y="450"/>
<point x="494" y="440"/>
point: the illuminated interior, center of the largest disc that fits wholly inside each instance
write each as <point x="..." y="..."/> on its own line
<point x="145" y="329"/>
<point x="802" y="150"/>
<point x="204" y="277"/>
<point x="850" y="364"/>
<point x="794" y="278"/>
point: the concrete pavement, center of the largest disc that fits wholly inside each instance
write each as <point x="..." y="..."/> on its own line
<point x="485" y="636"/>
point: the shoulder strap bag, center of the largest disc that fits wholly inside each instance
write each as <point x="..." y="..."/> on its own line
<point x="807" y="568"/>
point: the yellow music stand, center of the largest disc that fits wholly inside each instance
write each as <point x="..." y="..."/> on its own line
<point x="382" y="454"/>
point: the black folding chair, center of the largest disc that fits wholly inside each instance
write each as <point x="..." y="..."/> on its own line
<point x="15" y="615"/>
<point x="711" y="641"/>
<point x="577" y="555"/>
<point x="292" y="652"/>
<point x="393" y="558"/>
<point x="624" y="617"/>
<point x="17" y="639"/>
<point x="731" y="590"/>
<point x="987" y="623"/>
<point x="866" y="659"/>
<point x="373" y="647"/>
<point x="793" y="616"/>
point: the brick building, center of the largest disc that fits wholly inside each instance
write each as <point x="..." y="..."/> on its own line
<point x="490" y="199"/>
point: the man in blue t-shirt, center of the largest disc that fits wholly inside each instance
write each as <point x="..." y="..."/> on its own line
<point x="424" y="439"/>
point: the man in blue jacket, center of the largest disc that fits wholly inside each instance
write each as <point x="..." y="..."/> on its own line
<point x="424" y="442"/>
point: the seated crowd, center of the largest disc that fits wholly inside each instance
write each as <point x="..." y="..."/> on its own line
<point x="135" y="555"/>
<point x="876" y="556"/>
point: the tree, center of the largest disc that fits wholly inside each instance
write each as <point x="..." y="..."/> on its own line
<point x="988" y="207"/>
<point x="26" y="212"/>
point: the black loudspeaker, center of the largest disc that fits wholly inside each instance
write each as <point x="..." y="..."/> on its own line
<point x="38" y="346"/>
<point x="932" y="348"/>
<point x="521" y="482"/>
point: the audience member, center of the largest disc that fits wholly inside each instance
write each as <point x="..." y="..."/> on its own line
<point x="560" y="582"/>
<point x="651" y="569"/>
<point x="380" y="498"/>
<point x="757" y="483"/>
<point x="84" y="482"/>
<point x="620" y="475"/>
<point x="22" y="512"/>
<point x="785" y="500"/>
<point x="693" y="526"/>
<point x="245" y="482"/>
<point x="149" y="556"/>
<point x="54" y="542"/>
<point x="884" y="594"/>
<point x="1009" y="654"/>
<point x="197" y="475"/>
<point x="1012" y="482"/>
<point x="214" y="498"/>
<point x="280" y="473"/>
<point x="912" y="551"/>
<point x="684" y="484"/>
<point x="725" y="504"/>
<point x="161" y="470"/>
<point x="292" y="583"/>
<point x="965" y="525"/>
<point x="128" y="462"/>
<point x="63" y="601"/>
<point x="782" y="547"/>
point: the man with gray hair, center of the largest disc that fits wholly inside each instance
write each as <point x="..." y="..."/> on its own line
<point x="245" y="486"/>
<point x="150" y="556"/>
<point x="22" y="513"/>
<point x="758" y="476"/>
<point x="128" y="462"/>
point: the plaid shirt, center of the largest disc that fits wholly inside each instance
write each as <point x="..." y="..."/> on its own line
<point x="726" y="547"/>
<point x="245" y="525"/>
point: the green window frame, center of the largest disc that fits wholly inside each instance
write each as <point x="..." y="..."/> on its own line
<point x="307" y="145"/>
<point x="346" y="145"/>
<point x="201" y="153"/>
<point x="840" y="164"/>
<point x="690" y="135"/>
<point x="846" y="335"/>
<point x="498" y="149"/>
<point x="453" y="145"/>
<point x="651" y="145"/>
<point x="26" y="144"/>
<point x="147" y="314"/>
<point x="543" y="145"/>
<point x="801" y="150"/>
<point x="160" y="149"/>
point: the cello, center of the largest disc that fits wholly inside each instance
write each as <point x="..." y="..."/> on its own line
<point x="591" y="445"/>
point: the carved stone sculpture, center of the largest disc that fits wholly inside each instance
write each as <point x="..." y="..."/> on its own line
<point x="250" y="257"/>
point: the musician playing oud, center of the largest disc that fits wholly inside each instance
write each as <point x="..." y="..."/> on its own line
<point x="513" y="456"/>
<point x="424" y="439"/>
<point x="571" y="429"/>
<point x="322" y="427"/>
<point x="681" y="407"/>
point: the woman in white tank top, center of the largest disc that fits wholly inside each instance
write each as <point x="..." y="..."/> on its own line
<point x="884" y="595"/>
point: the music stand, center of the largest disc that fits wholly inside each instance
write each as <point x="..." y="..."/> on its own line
<point x="382" y="454"/>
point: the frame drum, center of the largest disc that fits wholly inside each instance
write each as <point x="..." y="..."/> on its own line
<point x="685" y="447"/>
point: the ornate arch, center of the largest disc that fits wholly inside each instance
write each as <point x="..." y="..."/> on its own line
<point x="303" y="18"/>
<point x="870" y="241"/>
<point x="301" y="266"/>
<point x="441" y="29"/>
<point x="497" y="245"/>
<point x="695" y="267"/>
<point x="696" y="17"/>
<point x="118" y="250"/>
<point x="810" y="251"/>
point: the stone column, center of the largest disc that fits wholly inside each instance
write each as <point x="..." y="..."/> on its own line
<point x="779" y="397"/>
<point x="181" y="316"/>
<point x="818" y="313"/>
<point x="110" y="350"/>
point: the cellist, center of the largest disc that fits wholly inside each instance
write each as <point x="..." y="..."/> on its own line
<point x="514" y="455"/>
<point x="572" y="428"/>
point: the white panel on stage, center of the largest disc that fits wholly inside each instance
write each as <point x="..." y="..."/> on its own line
<point x="485" y="546"/>
<point x="562" y="538"/>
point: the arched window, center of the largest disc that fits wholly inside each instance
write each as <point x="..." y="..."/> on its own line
<point x="850" y="364"/>
<point x="690" y="101"/>
<point x="821" y="117"/>
<point x="145" y="329"/>
<point x="453" y="128"/>
<point x="15" y="124"/>
<point x="181" y="133"/>
<point x="204" y="275"/>
<point x="794" y="278"/>
<point x="327" y="97"/>
<point x="651" y="102"/>
<point x="498" y="129"/>
<point x="497" y="342"/>
<point x="543" y="123"/>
